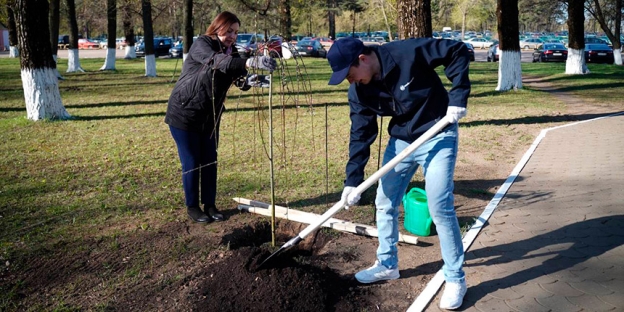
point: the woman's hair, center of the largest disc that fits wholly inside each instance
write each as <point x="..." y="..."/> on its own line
<point x="221" y="23"/>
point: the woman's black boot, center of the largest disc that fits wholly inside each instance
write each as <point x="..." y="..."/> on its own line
<point x="214" y="213"/>
<point x="197" y="215"/>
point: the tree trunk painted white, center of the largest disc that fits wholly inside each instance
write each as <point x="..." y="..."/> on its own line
<point x="575" y="65"/>
<point x="184" y="57"/>
<point x="13" y="51"/>
<point x="509" y="71"/>
<point x="150" y="65"/>
<point x="73" y="61"/>
<point x="617" y="56"/>
<point x="130" y="53"/>
<point x="109" y="63"/>
<point x="41" y="92"/>
<point x="56" y="72"/>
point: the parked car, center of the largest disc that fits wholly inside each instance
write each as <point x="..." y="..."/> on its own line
<point x="63" y="41"/>
<point x="87" y="44"/>
<point x="598" y="53"/>
<point x="103" y="43"/>
<point x="177" y="50"/>
<point x="161" y="47"/>
<point x="273" y="46"/>
<point x="594" y="40"/>
<point x="370" y="41"/>
<point x="296" y="38"/>
<point x="530" y="43"/>
<point x="550" y="52"/>
<point x="311" y="48"/>
<point x="480" y="43"/>
<point x="493" y="53"/>
<point x="121" y="43"/>
<point x="325" y="42"/>
<point x="470" y="50"/>
<point x="246" y="44"/>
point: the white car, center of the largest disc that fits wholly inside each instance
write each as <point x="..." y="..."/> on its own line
<point x="480" y="43"/>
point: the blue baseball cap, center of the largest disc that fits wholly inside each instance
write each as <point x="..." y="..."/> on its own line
<point x="341" y="55"/>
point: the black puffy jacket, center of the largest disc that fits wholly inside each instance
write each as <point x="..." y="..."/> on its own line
<point x="196" y="101"/>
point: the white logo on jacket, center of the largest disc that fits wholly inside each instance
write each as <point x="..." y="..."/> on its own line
<point x="402" y="87"/>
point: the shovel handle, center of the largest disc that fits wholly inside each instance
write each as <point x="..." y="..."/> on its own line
<point x="377" y="175"/>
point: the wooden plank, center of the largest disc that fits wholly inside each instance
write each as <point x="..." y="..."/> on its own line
<point x="308" y="218"/>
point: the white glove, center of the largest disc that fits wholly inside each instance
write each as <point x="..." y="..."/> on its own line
<point x="455" y="113"/>
<point x="261" y="62"/>
<point x="349" y="196"/>
<point x="258" y="81"/>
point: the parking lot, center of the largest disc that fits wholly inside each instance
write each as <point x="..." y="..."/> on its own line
<point x="480" y="54"/>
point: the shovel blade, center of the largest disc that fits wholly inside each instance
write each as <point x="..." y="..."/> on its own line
<point x="271" y="256"/>
<point x="294" y="241"/>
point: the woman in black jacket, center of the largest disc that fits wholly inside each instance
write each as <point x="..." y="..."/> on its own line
<point x="195" y="107"/>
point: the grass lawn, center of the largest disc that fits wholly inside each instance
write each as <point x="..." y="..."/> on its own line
<point x="113" y="169"/>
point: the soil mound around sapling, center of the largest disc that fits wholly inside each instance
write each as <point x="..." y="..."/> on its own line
<point x="286" y="285"/>
<point x="294" y="280"/>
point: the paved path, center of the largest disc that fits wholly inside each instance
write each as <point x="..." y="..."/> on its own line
<point x="556" y="240"/>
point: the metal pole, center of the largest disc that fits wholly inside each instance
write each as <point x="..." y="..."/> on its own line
<point x="174" y="70"/>
<point x="271" y="159"/>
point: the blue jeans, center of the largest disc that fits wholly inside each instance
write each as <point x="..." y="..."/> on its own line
<point x="437" y="157"/>
<point x="198" y="155"/>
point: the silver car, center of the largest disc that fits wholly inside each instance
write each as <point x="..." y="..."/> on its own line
<point x="530" y="43"/>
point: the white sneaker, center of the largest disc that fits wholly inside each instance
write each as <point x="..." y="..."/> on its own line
<point x="453" y="295"/>
<point x="378" y="272"/>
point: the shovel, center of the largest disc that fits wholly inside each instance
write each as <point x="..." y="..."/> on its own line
<point x="362" y="187"/>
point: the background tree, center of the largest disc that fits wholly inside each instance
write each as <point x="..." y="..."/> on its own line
<point x="148" y="38"/>
<point x="111" y="13"/>
<point x="509" y="69"/>
<point x="53" y="21"/>
<point x="414" y="18"/>
<point x="461" y="11"/>
<point x="540" y="15"/>
<point x="610" y="19"/>
<point x="331" y="18"/>
<point x="128" y="29"/>
<point x="188" y="27"/>
<point x="355" y="6"/>
<point x="576" y="38"/>
<point x="73" y="59"/>
<point x="261" y="13"/>
<point x="442" y="10"/>
<point x="285" y="19"/>
<point x="13" y="49"/>
<point x="41" y="92"/>
<point x="381" y="4"/>
<point x="483" y="15"/>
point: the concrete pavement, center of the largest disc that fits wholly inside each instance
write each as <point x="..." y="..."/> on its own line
<point x="555" y="241"/>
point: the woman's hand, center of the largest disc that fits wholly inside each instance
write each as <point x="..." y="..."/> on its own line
<point x="262" y="62"/>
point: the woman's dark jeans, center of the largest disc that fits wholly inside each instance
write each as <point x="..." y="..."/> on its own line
<point x="198" y="155"/>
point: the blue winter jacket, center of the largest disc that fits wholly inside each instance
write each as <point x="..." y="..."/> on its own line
<point x="410" y="91"/>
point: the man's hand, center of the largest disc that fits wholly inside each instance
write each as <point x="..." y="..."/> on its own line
<point x="349" y="196"/>
<point x="455" y="113"/>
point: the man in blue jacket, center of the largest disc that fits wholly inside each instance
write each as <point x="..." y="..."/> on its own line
<point x="398" y="79"/>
